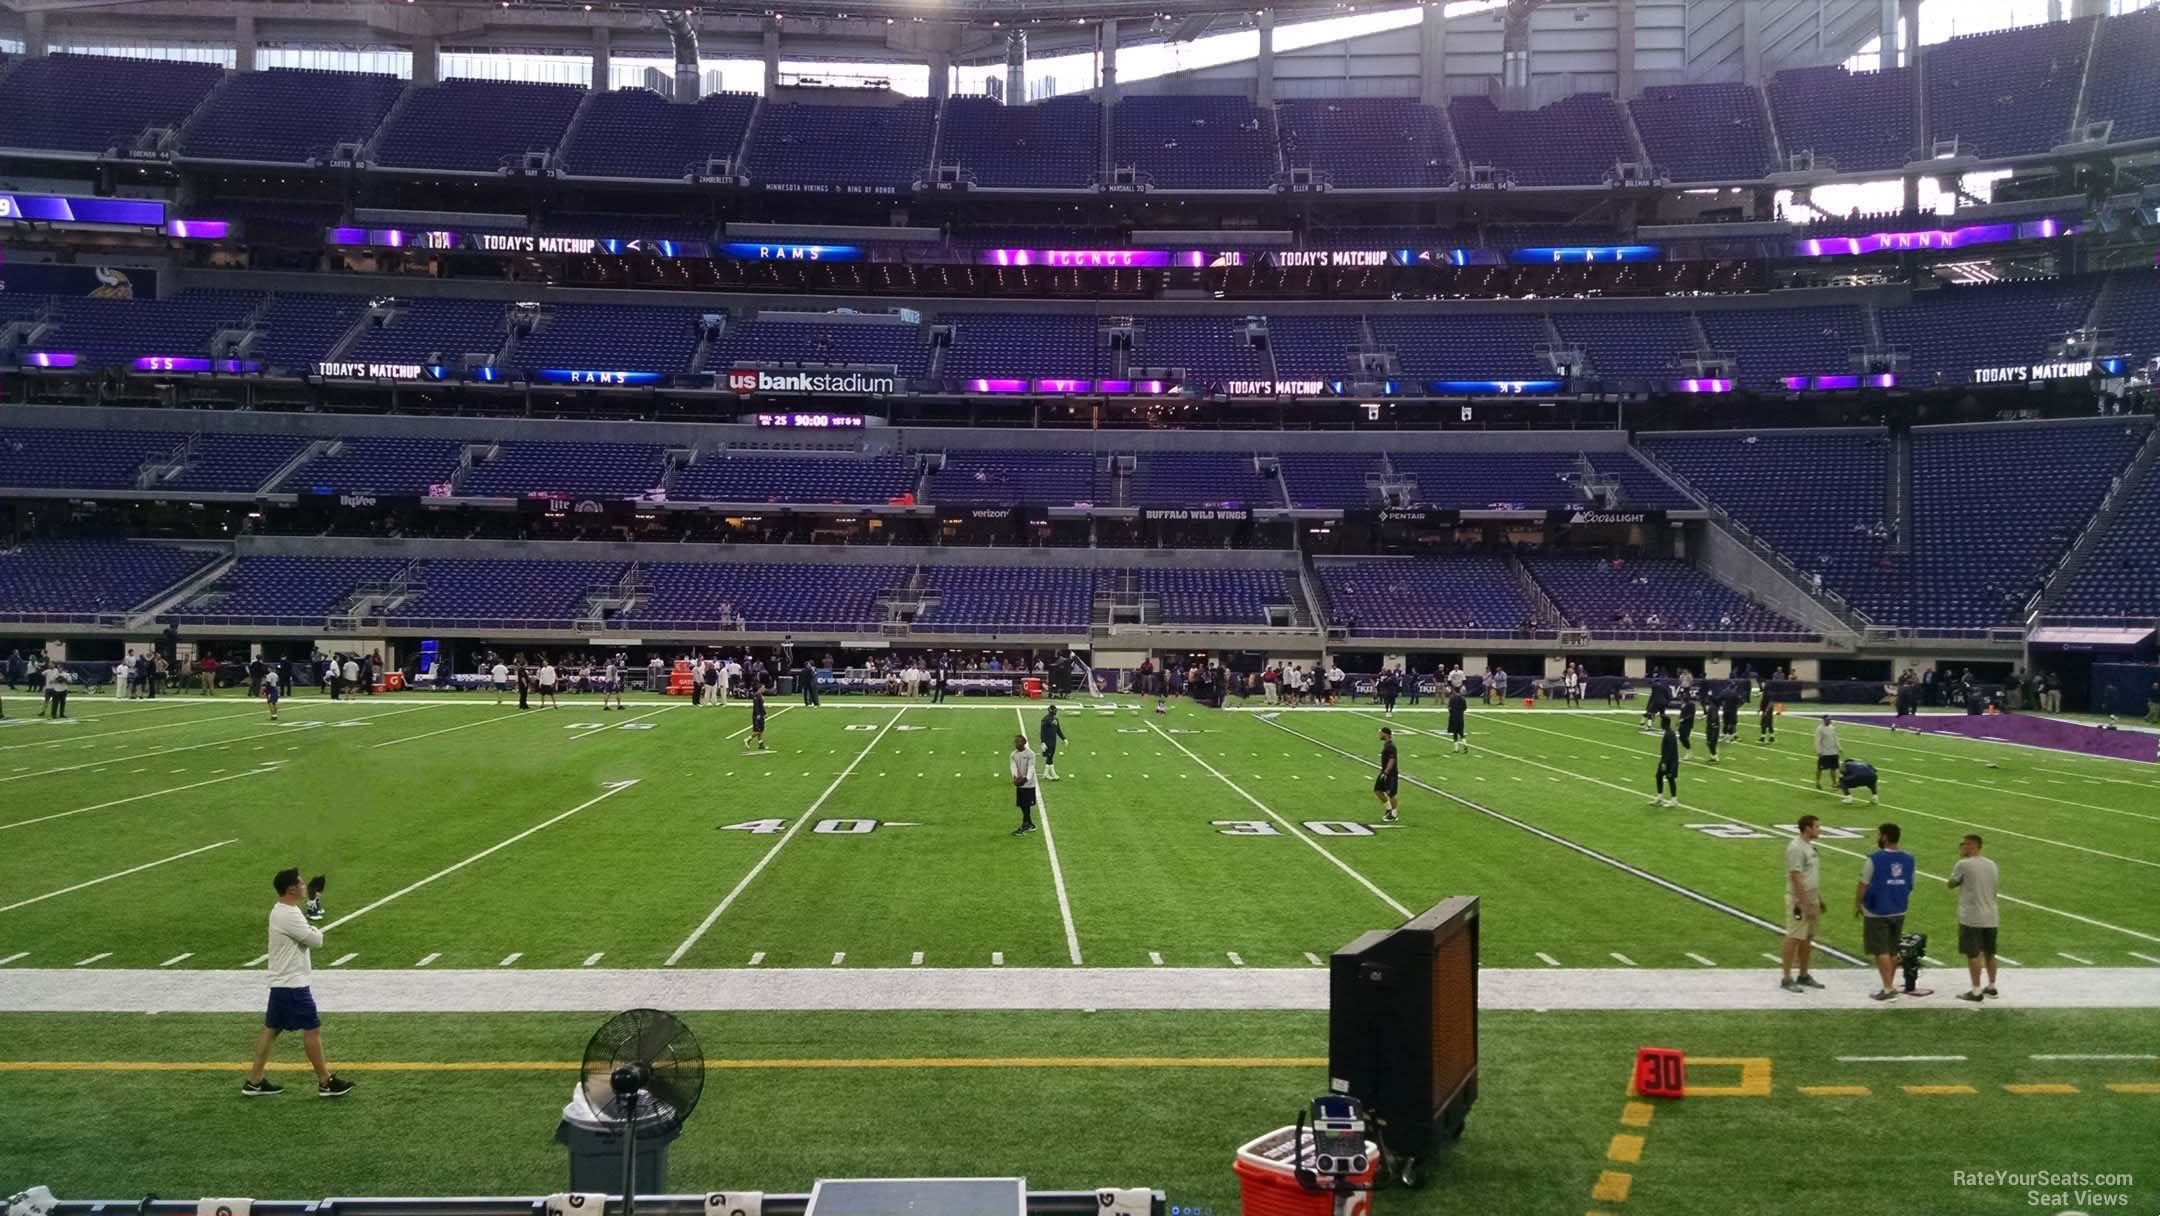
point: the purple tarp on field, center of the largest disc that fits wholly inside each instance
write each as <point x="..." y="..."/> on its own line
<point x="2032" y="732"/>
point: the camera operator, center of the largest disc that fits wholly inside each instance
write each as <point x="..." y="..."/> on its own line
<point x="1879" y="901"/>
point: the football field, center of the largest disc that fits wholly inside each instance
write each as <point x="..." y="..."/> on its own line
<point x="1134" y="990"/>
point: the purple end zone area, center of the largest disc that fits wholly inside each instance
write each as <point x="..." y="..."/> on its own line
<point x="2030" y="731"/>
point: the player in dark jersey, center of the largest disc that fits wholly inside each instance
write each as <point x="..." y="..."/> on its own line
<point x="1710" y="729"/>
<point x="1766" y="726"/>
<point x="1856" y="774"/>
<point x="1384" y="786"/>
<point x="1052" y="733"/>
<point x="1668" y="768"/>
<point x="1457" y="709"/>
<point x="757" y="717"/>
<point x="1732" y="710"/>
<point x="1687" y="721"/>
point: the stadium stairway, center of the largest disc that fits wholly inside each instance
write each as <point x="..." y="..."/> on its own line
<point x="2125" y="490"/>
<point x="1738" y="558"/>
<point x="1548" y="613"/>
<point x="146" y="615"/>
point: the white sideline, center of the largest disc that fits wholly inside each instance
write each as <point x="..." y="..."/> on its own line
<point x="577" y="989"/>
<point x="766" y="860"/>
<point x="1057" y="872"/>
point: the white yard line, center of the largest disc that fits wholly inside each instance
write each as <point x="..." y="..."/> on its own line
<point x="99" y="806"/>
<point x="1314" y="959"/>
<point x="2100" y="1058"/>
<point x="1057" y="872"/>
<point x="1622" y="959"/>
<point x="1154" y="959"/>
<point x="93" y="958"/>
<point x="2133" y="954"/>
<point x="1700" y="959"/>
<point x="508" y="717"/>
<point x="425" y="959"/>
<point x="12" y="957"/>
<point x="839" y="957"/>
<point x="178" y="958"/>
<point x="1907" y="810"/>
<point x="915" y="959"/>
<point x="2008" y="899"/>
<point x="592" y="958"/>
<point x="194" y="747"/>
<point x="345" y="958"/>
<point x="774" y="851"/>
<point x="1548" y="959"/>
<point x="1287" y="826"/>
<point x="2086" y="962"/>
<point x="614" y="788"/>
<point x="587" y="734"/>
<point x="148" y="865"/>
<point x="95" y="736"/>
<point x="1901" y="1059"/>
<point x="757" y="958"/>
<point x="513" y="957"/>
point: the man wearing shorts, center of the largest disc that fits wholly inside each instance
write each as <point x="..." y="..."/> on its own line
<point x="270" y="691"/>
<point x="1879" y="901"/>
<point x="1858" y="774"/>
<point x="292" y="1005"/>
<point x="757" y="719"/>
<point x="1803" y="905"/>
<point x="1974" y="879"/>
<point x="1826" y="751"/>
<point x="1384" y="785"/>
<point x="1023" y="777"/>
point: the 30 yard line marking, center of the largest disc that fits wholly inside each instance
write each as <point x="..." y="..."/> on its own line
<point x="1057" y="872"/>
<point x="614" y="788"/>
<point x="99" y="806"/>
<point x="24" y="903"/>
<point x="1901" y="1059"/>
<point x="194" y="747"/>
<point x="1286" y="825"/>
<point x="744" y="883"/>
<point x="178" y="958"/>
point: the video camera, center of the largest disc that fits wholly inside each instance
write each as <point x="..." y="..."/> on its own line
<point x="1912" y="950"/>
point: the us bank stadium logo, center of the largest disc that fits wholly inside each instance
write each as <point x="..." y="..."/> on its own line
<point x="744" y="381"/>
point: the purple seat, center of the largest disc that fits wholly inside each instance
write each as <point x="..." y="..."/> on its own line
<point x="2121" y="88"/>
<point x="613" y="337"/>
<point x="93" y="104"/>
<point x="982" y="475"/>
<point x="766" y="477"/>
<point x="1575" y="141"/>
<point x="377" y="465"/>
<point x="1365" y="143"/>
<point x="1201" y="479"/>
<point x="636" y="133"/>
<point x="1050" y="145"/>
<point x="1196" y="143"/>
<point x="283" y="590"/>
<point x="605" y="470"/>
<point x="764" y="596"/>
<point x="1771" y="343"/>
<point x="476" y="125"/>
<point x="1650" y="596"/>
<point x="1215" y="597"/>
<point x="1007" y="599"/>
<point x="81" y="580"/>
<point x="2011" y="93"/>
<point x="1860" y="121"/>
<point x="820" y="148"/>
<point x="1949" y="331"/>
<point x="1410" y="596"/>
<point x="289" y="115"/>
<point x="1704" y="132"/>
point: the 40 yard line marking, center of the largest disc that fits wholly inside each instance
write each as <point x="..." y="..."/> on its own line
<point x="766" y="860"/>
<point x="99" y="806"/>
<point x="1287" y="826"/>
<point x="614" y="788"/>
<point x="587" y="734"/>
<point x="1057" y="872"/>
<point x="509" y="717"/>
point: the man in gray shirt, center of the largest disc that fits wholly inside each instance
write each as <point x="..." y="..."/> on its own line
<point x="1974" y="879"/>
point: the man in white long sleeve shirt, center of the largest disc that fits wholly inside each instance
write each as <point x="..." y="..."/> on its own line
<point x="1023" y="776"/>
<point x="292" y="1005"/>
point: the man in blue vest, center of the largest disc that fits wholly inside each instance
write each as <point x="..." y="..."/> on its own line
<point x="1886" y="879"/>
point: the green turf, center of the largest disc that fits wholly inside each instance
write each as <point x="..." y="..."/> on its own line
<point x="1553" y="1093"/>
<point x="1187" y="838"/>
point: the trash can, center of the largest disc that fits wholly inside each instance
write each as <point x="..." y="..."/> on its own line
<point x="595" y="1142"/>
<point x="1032" y="688"/>
<point x="1267" y="1186"/>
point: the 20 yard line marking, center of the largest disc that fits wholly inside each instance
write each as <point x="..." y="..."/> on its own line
<point x="614" y="788"/>
<point x="587" y="734"/>
<point x="24" y="903"/>
<point x="511" y="717"/>
<point x="1057" y="872"/>
<point x="744" y="883"/>
<point x="1286" y="825"/>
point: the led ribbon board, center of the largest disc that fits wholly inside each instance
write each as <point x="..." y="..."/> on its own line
<point x="593" y="377"/>
<point x="190" y="363"/>
<point x="69" y="209"/>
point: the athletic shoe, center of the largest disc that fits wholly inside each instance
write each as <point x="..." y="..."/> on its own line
<point x="260" y="1089"/>
<point x="1882" y="996"/>
<point x="1389" y="817"/>
<point x="1845" y="801"/>
<point x="1990" y="991"/>
<point x="1807" y="981"/>
<point x="1970" y="996"/>
<point x="1791" y="986"/>
<point x="1019" y="831"/>
<point x="1656" y="801"/>
<point x="1033" y="828"/>
<point x="312" y="909"/>
<point x="335" y="1087"/>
